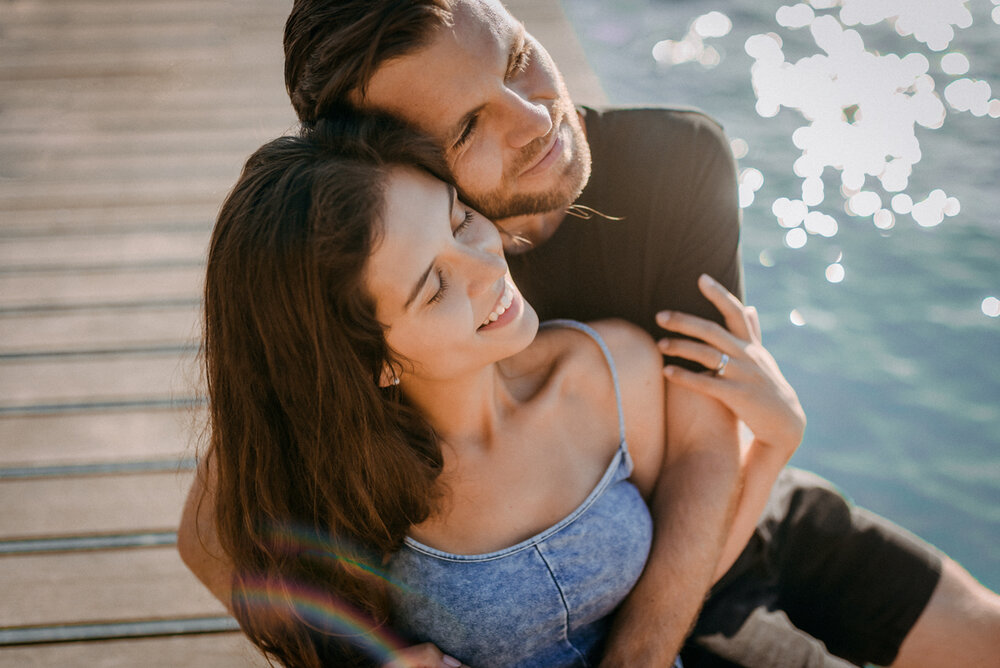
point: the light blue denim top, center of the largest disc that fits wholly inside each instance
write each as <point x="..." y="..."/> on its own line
<point x="545" y="602"/>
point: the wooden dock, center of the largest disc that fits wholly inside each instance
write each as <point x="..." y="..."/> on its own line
<point x="122" y="127"/>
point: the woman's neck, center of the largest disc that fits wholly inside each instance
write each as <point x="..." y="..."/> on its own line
<point x="468" y="411"/>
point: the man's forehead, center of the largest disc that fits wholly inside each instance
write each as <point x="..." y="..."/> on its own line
<point x="436" y="85"/>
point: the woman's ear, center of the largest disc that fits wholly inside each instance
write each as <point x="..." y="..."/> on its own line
<point x="388" y="377"/>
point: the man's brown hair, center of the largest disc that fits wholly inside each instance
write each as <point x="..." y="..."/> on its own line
<point x="334" y="47"/>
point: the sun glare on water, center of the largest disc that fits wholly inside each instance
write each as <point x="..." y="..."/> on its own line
<point x="863" y="110"/>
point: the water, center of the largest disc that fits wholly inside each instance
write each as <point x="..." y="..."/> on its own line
<point x="881" y="307"/>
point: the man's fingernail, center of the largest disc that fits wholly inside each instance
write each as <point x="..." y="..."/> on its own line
<point x="708" y="279"/>
<point x="450" y="661"/>
<point x="663" y="316"/>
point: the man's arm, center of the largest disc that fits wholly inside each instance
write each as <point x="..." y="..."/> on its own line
<point x="691" y="487"/>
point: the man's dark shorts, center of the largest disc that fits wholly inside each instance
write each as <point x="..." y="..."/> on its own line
<point x="821" y="583"/>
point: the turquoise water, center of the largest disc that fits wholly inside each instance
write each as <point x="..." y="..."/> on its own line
<point x="886" y="325"/>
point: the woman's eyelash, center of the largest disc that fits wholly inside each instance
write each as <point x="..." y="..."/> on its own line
<point x="439" y="295"/>
<point x="465" y="221"/>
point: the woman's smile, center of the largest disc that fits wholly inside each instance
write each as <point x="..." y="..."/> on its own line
<point x="503" y="307"/>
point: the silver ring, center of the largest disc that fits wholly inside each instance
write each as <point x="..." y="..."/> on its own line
<point x="720" y="369"/>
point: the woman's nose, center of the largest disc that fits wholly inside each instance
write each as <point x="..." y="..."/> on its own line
<point x="485" y="267"/>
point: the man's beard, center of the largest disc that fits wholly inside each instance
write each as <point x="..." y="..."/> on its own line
<point x="503" y="203"/>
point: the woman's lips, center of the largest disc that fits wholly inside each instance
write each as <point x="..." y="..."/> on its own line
<point x="508" y="307"/>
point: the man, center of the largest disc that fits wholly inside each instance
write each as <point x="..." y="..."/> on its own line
<point x="659" y="188"/>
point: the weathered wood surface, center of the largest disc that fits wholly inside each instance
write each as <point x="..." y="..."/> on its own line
<point x="96" y="437"/>
<point x="122" y="127"/>
<point x="92" y="505"/>
<point x="216" y="650"/>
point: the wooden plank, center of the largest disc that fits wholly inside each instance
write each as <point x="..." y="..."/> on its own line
<point x="100" y="287"/>
<point x="267" y="110"/>
<point x="30" y="193"/>
<point x="24" y="35"/>
<point x="121" y="15"/>
<point x="115" y="141"/>
<point x="100" y="61"/>
<point x="148" y="583"/>
<point x="60" y="331"/>
<point x="104" y="378"/>
<point x="193" y="186"/>
<point x="92" y="505"/>
<point x="262" y="91"/>
<point x="105" y="436"/>
<point x="222" y="650"/>
<point x="60" y="168"/>
<point x="110" y="198"/>
<point x="156" y="247"/>
<point x="53" y="220"/>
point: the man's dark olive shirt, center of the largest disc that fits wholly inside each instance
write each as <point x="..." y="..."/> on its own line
<point x="669" y="175"/>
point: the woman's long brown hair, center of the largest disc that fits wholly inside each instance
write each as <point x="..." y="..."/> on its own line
<point x="320" y="472"/>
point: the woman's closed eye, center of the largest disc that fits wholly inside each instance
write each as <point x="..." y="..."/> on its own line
<point x="466" y="221"/>
<point x="442" y="289"/>
<point x="442" y="280"/>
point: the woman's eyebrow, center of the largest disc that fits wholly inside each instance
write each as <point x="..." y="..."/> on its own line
<point x="427" y="272"/>
<point x="419" y="286"/>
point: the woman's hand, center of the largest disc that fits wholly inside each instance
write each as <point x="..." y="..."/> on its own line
<point x="742" y="374"/>
<point x="426" y="655"/>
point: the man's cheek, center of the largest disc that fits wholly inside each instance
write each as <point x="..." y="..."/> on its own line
<point x="481" y="176"/>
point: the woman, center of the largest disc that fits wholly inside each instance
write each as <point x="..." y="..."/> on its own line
<point x="395" y="444"/>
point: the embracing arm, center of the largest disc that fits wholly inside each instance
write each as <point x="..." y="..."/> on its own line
<point x="197" y="539"/>
<point x="691" y="486"/>
<point x="198" y="544"/>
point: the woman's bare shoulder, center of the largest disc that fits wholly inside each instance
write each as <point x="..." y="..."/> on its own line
<point x="639" y="366"/>
<point x="636" y="359"/>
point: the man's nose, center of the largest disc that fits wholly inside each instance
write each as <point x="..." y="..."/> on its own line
<point x="526" y="120"/>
